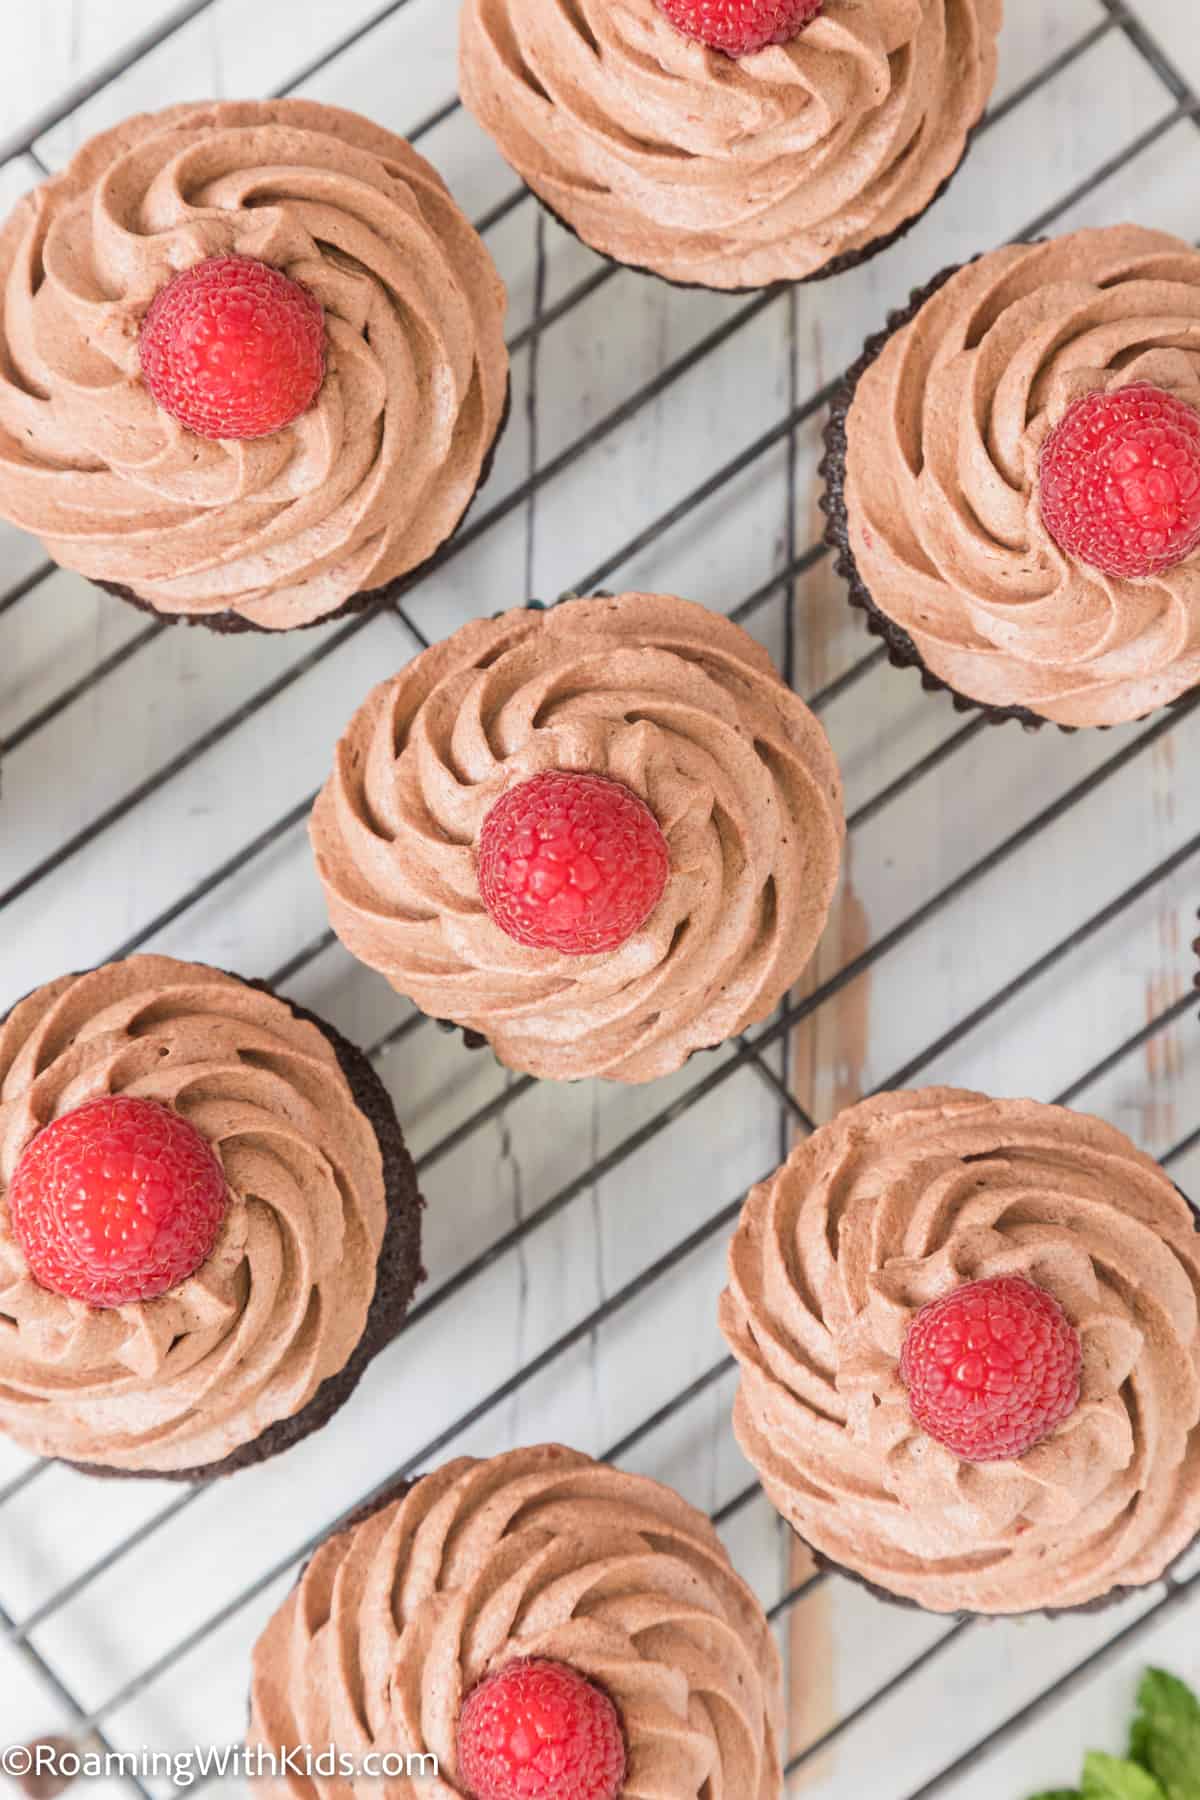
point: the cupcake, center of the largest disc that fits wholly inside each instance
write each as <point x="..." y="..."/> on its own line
<point x="538" y="1581"/>
<point x="731" y="146"/>
<point x="252" y="364"/>
<point x="209" y="1223"/>
<point x="600" y="837"/>
<point x="1013" y="479"/>
<point x="969" y="1340"/>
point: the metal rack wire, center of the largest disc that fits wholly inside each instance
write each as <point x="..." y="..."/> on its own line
<point x="19" y="1634"/>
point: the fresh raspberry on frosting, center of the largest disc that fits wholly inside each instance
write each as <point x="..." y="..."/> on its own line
<point x="740" y="27"/>
<point x="117" y="1201"/>
<point x="991" y="1368"/>
<point x="233" y="348"/>
<point x="540" y="1731"/>
<point x="1120" y="481"/>
<point x="571" y="862"/>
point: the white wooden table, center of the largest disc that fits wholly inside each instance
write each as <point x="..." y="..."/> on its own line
<point x="154" y="786"/>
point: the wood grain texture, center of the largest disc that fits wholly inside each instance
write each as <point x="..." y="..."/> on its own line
<point x="176" y="702"/>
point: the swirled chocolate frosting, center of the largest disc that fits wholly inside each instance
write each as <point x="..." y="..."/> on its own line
<point x="676" y="158"/>
<point x="538" y="1553"/>
<point x="366" y="484"/>
<point x="684" y="708"/>
<point x="184" y="1380"/>
<point x="898" y="1201"/>
<point x="945" y="437"/>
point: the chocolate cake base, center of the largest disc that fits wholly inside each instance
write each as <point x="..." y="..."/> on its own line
<point x="902" y="652"/>
<point x="399" y="1273"/>
<point x="1102" y="1603"/>
<point x="837" y="265"/>
<point x="475" y="1040"/>
<point x="1114" y="1597"/>
<point x="226" y="624"/>
<point x="398" y="1489"/>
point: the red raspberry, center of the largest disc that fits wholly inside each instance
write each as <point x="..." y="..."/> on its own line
<point x="1120" y="481"/>
<point x="117" y="1201"/>
<point x="739" y="27"/>
<point x="991" y="1368"/>
<point x="540" y="1731"/>
<point x="233" y="349"/>
<point x="575" y="863"/>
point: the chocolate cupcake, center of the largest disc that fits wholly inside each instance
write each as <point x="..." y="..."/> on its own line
<point x="1013" y="479"/>
<point x="309" y="468"/>
<point x="787" y="153"/>
<point x="969" y="1339"/>
<point x="209" y="1223"/>
<point x="537" y="1566"/>
<point x="601" y="836"/>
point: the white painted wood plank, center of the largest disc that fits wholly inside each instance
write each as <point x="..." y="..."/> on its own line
<point x="1094" y="1717"/>
<point x="1174" y="32"/>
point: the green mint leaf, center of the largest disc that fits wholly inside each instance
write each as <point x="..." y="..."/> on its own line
<point x="1112" y="1778"/>
<point x="1166" y="1734"/>
<point x="1139" y="1742"/>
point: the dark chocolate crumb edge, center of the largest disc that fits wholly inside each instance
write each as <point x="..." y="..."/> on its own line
<point x="228" y="624"/>
<point x="838" y="265"/>
<point x="902" y="653"/>
<point x="397" y="1489"/>
<point x="1114" y="1597"/>
<point x="474" y="1040"/>
<point x="398" y="1273"/>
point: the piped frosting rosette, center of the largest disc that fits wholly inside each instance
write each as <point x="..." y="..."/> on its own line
<point x="730" y="173"/>
<point x="364" y="486"/>
<point x="184" y="1380"/>
<point x="942" y="502"/>
<point x="900" y="1200"/>
<point x="539" y="1553"/>
<point x="675" y="702"/>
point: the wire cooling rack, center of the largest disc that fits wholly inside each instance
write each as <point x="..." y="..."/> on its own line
<point x="860" y="1674"/>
